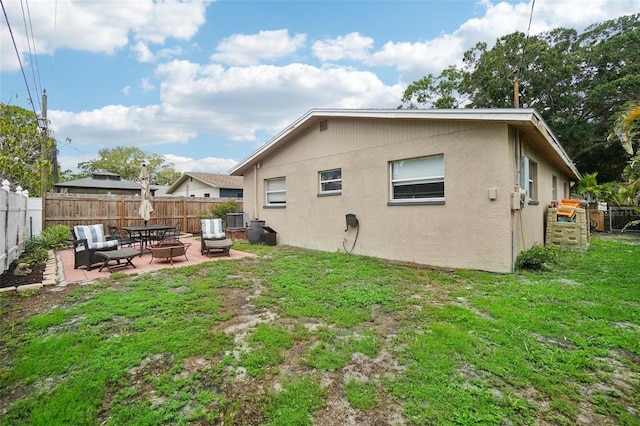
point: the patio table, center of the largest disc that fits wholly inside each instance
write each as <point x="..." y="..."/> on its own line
<point x="145" y="233"/>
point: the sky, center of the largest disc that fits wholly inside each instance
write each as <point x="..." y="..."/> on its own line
<point x="205" y="83"/>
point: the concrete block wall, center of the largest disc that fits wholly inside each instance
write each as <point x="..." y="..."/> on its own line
<point x="568" y="235"/>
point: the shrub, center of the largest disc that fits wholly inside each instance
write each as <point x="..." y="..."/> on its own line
<point x="56" y="236"/>
<point x="34" y="252"/>
<point x="220" y="210"/>
<point x="537" y="257"/>
<point x="36" y="248"/>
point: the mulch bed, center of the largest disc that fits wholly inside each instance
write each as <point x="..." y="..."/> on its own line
<point x="7" y="279"/>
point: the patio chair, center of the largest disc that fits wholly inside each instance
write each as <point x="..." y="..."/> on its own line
<point x="87" y="240"/>
<point x="116" y="233"/>
<point x="173" y="234"/>
<point x="212" y="230"/>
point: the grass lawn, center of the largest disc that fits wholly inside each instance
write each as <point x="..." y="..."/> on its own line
<point x="296" y="337"/>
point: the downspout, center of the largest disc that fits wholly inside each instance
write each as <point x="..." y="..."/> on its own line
<point x="517" y="151"/>
<point x="255" y="192"/>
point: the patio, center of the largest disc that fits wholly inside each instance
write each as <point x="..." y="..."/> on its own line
<point x="142" y="265"/>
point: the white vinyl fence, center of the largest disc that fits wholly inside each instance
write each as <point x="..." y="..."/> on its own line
<point x="13" y="224"/>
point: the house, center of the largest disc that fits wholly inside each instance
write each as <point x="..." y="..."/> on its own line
<point x="194" y="184"/>
<point x="454" y="188"/>
<point x="101" y="183"/>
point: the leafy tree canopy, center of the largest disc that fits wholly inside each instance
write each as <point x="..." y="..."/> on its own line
<point x="580" y="83"/>
<point x="126" y="161"/>
<point x="21" y="142"/>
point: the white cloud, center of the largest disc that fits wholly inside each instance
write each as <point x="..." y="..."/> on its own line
<point x="146" y="86"/>
<point x="100" y="27"/>
<point x="117" y="125"/>
<point x="418" y="58"/>
<point x="351" y="46"/>
<point x="250" y="49"/>
<point x="206" y="165"/>
<point x="171" y="18"/>
<point x="126" y="90"/>
<point x="237" y="102"/>
<point x="142" y="52"/>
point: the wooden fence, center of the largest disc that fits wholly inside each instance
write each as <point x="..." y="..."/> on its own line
<point x="122" y="210"/>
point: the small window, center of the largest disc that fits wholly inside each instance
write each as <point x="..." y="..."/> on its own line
<point x="331" y="181"/>
<point x="206" y="195"/>
<point x="276" y="192"/>
<point x="324" y="125"/>
<point x="554" y="188"/>
<point x="529" y="178"/>
<point x="418" y="179"/>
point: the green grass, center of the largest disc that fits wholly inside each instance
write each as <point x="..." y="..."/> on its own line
<point x="279" y="338"/>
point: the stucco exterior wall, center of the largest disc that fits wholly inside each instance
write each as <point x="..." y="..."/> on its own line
<point x="530" y="221"/>
<point x="469" y="231"/>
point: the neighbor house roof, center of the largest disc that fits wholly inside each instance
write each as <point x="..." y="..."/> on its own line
<point x="102" y="180"/>
<point x="212" y="179"/>
<point x="527" y="120"/>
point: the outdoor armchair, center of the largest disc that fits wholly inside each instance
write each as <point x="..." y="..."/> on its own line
<point x="87" y="240"/>
<point x="212" y="230"/>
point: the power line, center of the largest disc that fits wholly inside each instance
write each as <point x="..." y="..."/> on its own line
<point x="526" y="39"/>
<point x="33" y="40"/>
<point x="516" y="85"/>
<point x="24" y="76"/>
<point x="29" y="40"/>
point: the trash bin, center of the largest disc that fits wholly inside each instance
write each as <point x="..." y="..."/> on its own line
<point x="269" y="236"/>
<point x="255" y="231"/>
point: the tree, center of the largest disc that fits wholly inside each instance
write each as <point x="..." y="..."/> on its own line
<point x="578" y="82"/>
<point x="21" y="142"/>
<point x="126" y="162"/>
<point x="435" y="92"/>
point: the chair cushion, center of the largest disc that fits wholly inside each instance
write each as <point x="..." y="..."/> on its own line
<point x="212" y="229"/>
<point x="94" y="234"/>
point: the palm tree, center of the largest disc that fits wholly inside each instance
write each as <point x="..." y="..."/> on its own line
<point x="626" y="129"/>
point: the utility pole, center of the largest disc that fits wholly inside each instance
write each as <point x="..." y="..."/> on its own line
<point x="43" y="145"/>
<point x="516" y="92"/>
<point x="43" y="158"/>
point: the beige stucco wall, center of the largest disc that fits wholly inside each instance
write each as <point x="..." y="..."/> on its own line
<point x="530" y="221"/>
<point x="468" y="231"/>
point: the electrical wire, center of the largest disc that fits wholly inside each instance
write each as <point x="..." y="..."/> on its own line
<point x="35" y="53"/>
<point x="354" y="241"/>
<point x="13" y="39"/>
<point x="526" y="38"/>
<point x="29" y="42"/>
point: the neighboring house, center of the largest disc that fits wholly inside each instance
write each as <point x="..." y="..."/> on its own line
<point x="101" y="183"/>
<point x="436" y="187"/>
<point x="193" y="184"/>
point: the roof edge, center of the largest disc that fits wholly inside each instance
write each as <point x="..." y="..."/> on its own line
<point x="486" y="114"/>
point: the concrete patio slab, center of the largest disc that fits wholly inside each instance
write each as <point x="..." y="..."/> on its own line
<point x="142" y="263"/>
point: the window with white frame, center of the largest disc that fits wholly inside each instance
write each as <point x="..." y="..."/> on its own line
<point x="330" y="182"/>
<point x="276" y="192"/>
<point x="529" y="178"/>
<point x="418" y="179"/>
